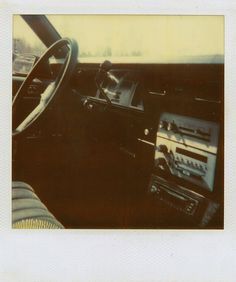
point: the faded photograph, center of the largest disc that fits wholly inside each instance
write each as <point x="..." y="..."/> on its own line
<point x="118" y="122"/>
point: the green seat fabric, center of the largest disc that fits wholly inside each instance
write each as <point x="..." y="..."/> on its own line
<point x="28" y="212"/>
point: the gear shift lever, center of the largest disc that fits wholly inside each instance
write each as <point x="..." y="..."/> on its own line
<point x="103" y="72"/>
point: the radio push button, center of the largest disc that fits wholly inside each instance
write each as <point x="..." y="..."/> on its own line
<point x="172" y="126"/>
<point x="163" y="124"/>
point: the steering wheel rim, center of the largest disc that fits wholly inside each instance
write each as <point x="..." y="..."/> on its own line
<point x="53" y="89"/>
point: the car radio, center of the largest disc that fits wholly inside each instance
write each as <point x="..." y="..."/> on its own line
<point x="186" y="147"/>
<point x="192" y="206"/>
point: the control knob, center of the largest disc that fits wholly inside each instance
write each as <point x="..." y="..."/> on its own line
<point x="172" y="126"/>
<point x="153" y="188"/>
<point x="162" y="148"/>
<point x="163" y="124"/>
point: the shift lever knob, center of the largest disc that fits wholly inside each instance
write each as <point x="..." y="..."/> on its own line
<point x="105" y="66"/>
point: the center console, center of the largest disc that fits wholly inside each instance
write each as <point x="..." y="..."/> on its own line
<point x="185" y="164"/>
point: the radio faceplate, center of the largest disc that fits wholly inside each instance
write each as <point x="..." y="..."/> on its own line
<point x="193" y="205"/>
<point x="187" y="148"/>
<point x="189" y="131"/>
<point x="173" y="197"/>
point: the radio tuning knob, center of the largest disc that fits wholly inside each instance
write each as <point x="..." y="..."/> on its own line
<point x="162" y="149"/>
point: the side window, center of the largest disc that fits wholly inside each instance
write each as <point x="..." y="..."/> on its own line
<point x="26" y="47"/>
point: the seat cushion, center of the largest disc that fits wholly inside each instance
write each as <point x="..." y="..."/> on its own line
<point x="28" y="211"/>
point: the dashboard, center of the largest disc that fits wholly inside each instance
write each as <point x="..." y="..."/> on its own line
<point x="168" y="120"/>
<point x="176" y="114"/>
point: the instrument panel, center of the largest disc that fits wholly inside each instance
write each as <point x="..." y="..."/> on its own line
<point x="183" y="144"/>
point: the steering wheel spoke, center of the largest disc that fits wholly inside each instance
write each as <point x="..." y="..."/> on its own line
<point x="30" y="118"/>
<point x="48" y="93"/>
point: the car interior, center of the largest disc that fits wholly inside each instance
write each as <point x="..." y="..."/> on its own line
<point x="116" y="145"/>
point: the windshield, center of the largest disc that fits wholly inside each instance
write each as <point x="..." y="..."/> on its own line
<point x="144" y="38"/>
<point x="25" y="41"/>
<point x="26" y="46"/>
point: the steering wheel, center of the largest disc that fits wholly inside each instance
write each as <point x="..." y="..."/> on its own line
<point x="53" y="89"/>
